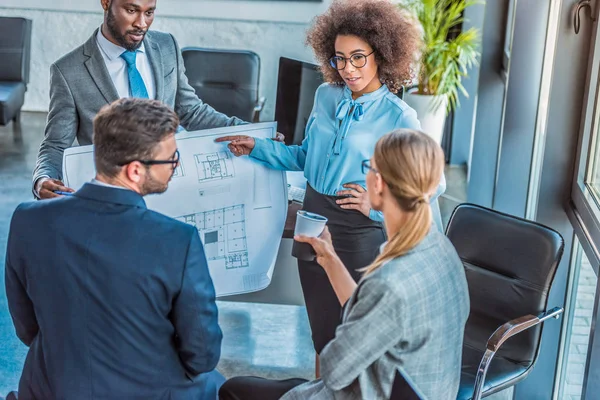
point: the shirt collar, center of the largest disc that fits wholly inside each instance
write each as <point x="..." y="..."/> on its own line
<point x="99" y="183"/>
<point x="111" y="50"/>
<point x="382" y="91"/>
<point x="110" y="195"/>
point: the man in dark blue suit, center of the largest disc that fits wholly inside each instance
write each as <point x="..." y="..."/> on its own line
<point x="114" y="301"/>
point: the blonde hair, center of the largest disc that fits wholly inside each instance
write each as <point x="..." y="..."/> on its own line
<point x="411" y="164"/>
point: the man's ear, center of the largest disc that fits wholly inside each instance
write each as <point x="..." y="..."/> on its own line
<point x="105" y="4"/>
<point x="135" y="171"/>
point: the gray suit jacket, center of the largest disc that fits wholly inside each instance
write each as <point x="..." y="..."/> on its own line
<point x="80" y="85"/>
<point x="409" y="315"/>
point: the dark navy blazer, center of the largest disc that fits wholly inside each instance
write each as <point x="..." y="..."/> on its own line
<point x="115" y="301"/>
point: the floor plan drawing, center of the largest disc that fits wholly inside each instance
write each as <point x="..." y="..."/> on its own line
<point x="212" y="166"/>
<point x="223" y="232"/>
<point x="237" y="206"/>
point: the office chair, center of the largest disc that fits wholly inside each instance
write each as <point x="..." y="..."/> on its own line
<point x="227" y="80"/>
<point x="510" y="264"/>
<point x="15" y="50"/>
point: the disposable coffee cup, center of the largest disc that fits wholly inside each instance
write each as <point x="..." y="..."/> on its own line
<point x="307" y="224"/>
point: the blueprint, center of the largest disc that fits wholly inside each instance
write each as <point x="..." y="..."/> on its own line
<point x="237" y="205"/>
<point x="214" y="166"/>
<point x="224" y="233"/>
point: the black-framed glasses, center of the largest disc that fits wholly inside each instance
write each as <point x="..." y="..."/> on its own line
<point x="366" y="167"/>
<point x="174" y="161"/>
<point x="358" y="60"/>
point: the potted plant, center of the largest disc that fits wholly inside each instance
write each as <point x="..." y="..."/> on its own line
<point x="446" y="57"/>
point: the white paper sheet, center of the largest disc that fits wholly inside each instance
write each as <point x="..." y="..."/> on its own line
<point x="238" y="205"/>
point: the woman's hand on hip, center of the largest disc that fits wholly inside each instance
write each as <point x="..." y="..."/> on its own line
<point x="240" y="145"/>
<point x="358" y="200"/>
<point x="326" y="255"/>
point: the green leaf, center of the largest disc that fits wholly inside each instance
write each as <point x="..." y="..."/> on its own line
<point x="444" y="62"/>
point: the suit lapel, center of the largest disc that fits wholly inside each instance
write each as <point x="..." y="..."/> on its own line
<point x="155" y="58"/>
<point x="97" y="69"/>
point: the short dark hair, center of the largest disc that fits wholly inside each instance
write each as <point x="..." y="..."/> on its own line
<point x="393" y="34"/>
<point x="130" y="129"/>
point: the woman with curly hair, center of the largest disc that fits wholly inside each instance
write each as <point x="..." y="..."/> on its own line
<point x="366" y="49"/>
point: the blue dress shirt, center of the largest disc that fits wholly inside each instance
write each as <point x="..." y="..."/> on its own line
<point x="340" y="133"/>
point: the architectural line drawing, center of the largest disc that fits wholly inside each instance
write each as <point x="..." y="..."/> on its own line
<point x="223" y="232"/>
<point x="213" y="166"/>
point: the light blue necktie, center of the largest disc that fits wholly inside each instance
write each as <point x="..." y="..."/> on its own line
<point x="136" y="83"/>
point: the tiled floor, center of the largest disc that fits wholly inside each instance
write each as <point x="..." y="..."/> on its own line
<point x="18" y="152"/>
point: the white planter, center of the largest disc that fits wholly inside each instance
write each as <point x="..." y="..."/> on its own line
<point x="431" y="112"/>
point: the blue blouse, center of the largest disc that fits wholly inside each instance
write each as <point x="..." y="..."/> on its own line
<point x="340" y="134"/>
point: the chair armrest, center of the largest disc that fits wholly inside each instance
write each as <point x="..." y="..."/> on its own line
<point x="258" y="108"/>
<point x="518" y="325"/>
<point x="501" y="335"/>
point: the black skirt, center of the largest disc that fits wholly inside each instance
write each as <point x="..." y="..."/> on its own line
<point x="356" y="239"/>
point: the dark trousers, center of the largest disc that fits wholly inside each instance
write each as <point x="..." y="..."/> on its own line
<point x="254" y="388"/>
<point x="356" y="240"/>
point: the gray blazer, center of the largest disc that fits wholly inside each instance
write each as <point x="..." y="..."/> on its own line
<point x="80" y="85"/>
<point x="408" y="315"/>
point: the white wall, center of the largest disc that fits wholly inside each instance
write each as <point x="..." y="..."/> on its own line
<point x="299" y="11"/>
<point x="271" y="29"/>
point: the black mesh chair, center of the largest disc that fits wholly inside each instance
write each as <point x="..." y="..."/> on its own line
<point x="226" y="79"/>
<point x="510" y="264"/>
<point x="15" y="51"/>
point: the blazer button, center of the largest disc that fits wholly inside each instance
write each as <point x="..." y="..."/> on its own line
<point x="403" y="345"/>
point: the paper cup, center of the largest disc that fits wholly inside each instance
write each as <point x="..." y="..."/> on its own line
<point x="307" y="224"/>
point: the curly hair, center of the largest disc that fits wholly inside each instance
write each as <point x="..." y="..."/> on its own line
<point x="394" y="35"/>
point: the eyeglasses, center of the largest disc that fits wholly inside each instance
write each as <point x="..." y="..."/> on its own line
<point x="174" y="161"/>
<point x="357" y="60"/>
<point x="366" y="167"/>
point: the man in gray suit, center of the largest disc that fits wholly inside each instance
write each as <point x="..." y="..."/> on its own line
<point x="121" y="59"/>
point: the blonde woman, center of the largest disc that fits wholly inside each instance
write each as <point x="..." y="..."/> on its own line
<point x="408" y="311"/>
